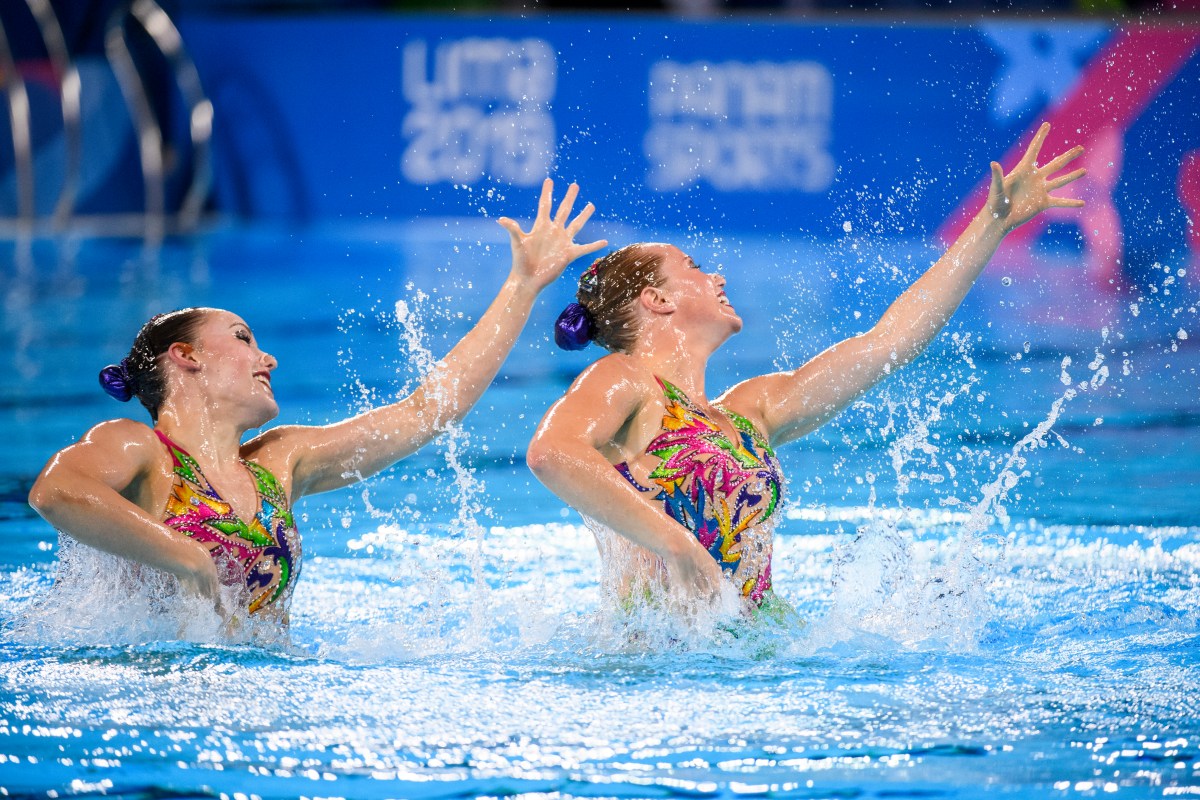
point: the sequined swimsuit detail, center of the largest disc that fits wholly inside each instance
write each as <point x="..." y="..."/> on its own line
<point x="264" y="553"/>
<point x="723" y="491"/>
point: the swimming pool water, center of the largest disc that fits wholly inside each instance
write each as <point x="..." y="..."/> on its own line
<point x="448" y="635"/>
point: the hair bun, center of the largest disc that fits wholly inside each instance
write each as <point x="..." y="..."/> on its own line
<point x="574" y="328"/>
<point x="117" y="382"/>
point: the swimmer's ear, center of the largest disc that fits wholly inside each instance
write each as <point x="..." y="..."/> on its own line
<point x="183" y="355"/>
<point x="656" y="301"/>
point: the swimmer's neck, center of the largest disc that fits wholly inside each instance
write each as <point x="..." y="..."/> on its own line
<point x="206" y="435"/>
<point x="681" y="360"/>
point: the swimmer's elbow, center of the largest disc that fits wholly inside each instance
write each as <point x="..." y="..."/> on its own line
<point x="881" y="346"/>
<point x="54" y="493"/>
<point x="545" y="457"/>
<point x="44" y="496"/>
<point x="540" y="457"/>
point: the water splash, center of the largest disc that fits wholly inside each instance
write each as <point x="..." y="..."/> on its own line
<point x="428" y="619"/>
<point x="919" y="593"/>
<point x="639" y="612"/>
<point x="469" y="490"/>
<point x="98" y="598"/>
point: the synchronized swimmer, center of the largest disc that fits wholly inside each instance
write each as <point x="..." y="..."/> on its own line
<point x="185" y="494"/>
<point x="684" y="490"/>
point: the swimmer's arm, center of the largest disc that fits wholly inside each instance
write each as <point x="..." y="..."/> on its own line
<point x="791" y="404"/>
<point x="79" y="492"/>
<point x="566" y="457"/>
<point x="337" y="455"/>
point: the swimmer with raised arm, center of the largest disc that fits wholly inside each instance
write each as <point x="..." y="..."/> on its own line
<point x="188" y="497"/>
<point x="690" y="486"/>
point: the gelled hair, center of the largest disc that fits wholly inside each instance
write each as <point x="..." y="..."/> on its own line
<point x="140" y="374"/>
<point x="604" y="310"/>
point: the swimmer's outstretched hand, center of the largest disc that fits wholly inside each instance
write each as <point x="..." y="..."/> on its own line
<point x="1024" y="193"/>
<point x="541" y="255"/>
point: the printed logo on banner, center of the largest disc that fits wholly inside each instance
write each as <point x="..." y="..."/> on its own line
<point x="764" y="126"/>
<point x="480" y="107"/>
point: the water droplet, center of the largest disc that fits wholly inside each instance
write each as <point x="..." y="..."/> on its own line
<point x="847" y="227"/>
<point x="1006" y="281"/>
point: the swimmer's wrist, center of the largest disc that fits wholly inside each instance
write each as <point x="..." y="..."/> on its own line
<point x="195" y="562"/>
<point x="988" y="222"/>
<point x="521" y="288"/>
<point x="676" y="548"/>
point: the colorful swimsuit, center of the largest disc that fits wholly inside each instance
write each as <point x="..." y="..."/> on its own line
<point x="721" y="490"/>
<point x="263" y="554"/>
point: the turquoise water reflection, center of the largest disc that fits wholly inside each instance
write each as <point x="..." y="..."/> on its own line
<point x="430" y="662"/>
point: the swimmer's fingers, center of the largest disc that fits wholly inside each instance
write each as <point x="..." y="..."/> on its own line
<point x="1063" y="180"/>
<point x="512" y="227"/>
<point x="590" y="247"/>
<point x="577" y="224"/>
<point x="568" y="202"/>
<point x="203" y="582"/>
<point x="1065" y="202"/>
<point x="1035" y="147"/>
<point x="544" y="202"/>
<point x="1062" y="160"/>
<point x="997" y="188"/>
<point x="223" y="611"/>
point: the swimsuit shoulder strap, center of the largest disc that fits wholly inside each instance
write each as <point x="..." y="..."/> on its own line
<point x="749" y="428"/>
<point x="170" y="445"/>
<point x="182" y="463"/>
<point x="673" y="392"/>
<point x="269" y="487"/>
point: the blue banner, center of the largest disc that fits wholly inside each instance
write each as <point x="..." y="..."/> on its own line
<point x="754" y="126"/>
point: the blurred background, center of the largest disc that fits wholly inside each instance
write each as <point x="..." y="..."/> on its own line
<point x="748" y="114"/>
<point x="307" y="164"/>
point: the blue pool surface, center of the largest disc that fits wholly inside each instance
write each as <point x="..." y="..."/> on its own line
<point x="449" y="637"/>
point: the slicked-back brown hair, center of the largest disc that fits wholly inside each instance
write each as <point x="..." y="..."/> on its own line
<point x="153" y="340"/>
<point x="620" y="278"/>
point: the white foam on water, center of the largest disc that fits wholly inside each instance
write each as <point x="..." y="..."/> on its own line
<point x="98" y="598"/>
<point x="886" y="585"/>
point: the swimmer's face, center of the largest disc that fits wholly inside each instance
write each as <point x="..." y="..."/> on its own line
<point x="699" y="296"/>
<point x="235" y="372"/>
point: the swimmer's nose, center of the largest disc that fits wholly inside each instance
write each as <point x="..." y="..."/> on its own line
<point x="718" y="279"/>
<point x="270" y="361"/>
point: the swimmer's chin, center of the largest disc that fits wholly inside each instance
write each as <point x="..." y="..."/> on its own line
<point x="266" y="414"/>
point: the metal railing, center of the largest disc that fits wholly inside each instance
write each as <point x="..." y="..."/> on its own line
<point x="22" y="130"/>
<point x="155" y="218"/>
<point x="69" y="88"/>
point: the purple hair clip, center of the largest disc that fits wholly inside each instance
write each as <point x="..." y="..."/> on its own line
<point x="574" y="328"/>
<point x="117" y="382"/>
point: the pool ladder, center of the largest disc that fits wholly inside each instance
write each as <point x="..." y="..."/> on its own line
<point x="156" y="219"/>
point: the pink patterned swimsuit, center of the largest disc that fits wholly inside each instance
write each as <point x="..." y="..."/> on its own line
<point x="723" y="491"/>
<point x="262" y="554"/>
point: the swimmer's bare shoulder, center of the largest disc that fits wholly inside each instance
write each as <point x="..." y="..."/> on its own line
<point x="279" y="449"/>
<point x="308" y="459"/>
<point x="123" y="439"/>
<point x="120" y="453"/>
<point x="604" y="404"/>
<point x="270" y="444"/>
<point x="747" y="399"/>
<point x="613" y="378"/>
